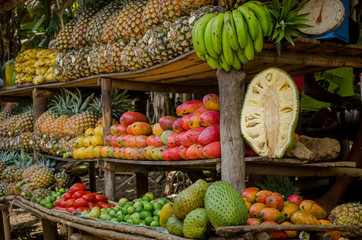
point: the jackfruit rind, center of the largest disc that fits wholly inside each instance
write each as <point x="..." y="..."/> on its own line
<point x="270" y="113"/>
<point x="225" y="206"/>
<point x="195" y="224"/>
<point x="190" y="199"/>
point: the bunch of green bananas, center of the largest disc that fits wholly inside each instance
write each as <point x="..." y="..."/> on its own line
<point x="230" y="5"/>
<point x="230" y="39"/>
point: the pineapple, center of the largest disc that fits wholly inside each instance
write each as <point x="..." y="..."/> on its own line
<point x="159" y="47"/>
<point x="108" y="32"/>
<point x="115" y="62"/>
<point x="5" y="115"/>
<point x="57" y="126"/>
<point x="43" y="177"/>
<point x="40" y="193"/>
<point x="170" y="10"/>
<point x="22" y="162"/>
<point x="3" y="187"/>
<point x="142" y="51"/>
<point x="64" y="38"/>
<point x="129" y="59"/>
<point x="25" y="141"/>
<point x="62" y="180"/>
<point x="11" y="190"/>
<point x="8" y="174"/>
<point x="150" y="17"/>
<point x="347" y="214"/>
<point x="188" y="6"/>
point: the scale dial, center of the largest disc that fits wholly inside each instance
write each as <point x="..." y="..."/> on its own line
<point x="324" y="16"/>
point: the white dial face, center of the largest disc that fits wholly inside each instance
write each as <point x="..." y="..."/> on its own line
<point x="324" y="15"/>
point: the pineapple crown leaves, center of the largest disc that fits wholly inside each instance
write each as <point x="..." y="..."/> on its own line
<point x="23" y="160"/>
<point x="280" y="184"/>
<point x="287" y="21"/>
<point x="8" y="158"/>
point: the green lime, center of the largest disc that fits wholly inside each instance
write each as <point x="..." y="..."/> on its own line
<point x="120" y="218"/>
<point x="53" y="198"/>
<point x="156" y="218"/>
<point x="130" y="203"/>
<point x="129" y="220"/>
<point x="138" y="200"/>
<point x="162" y="201"/>
<point x="108" y="210"/>
<point x="127" y="217"/>
<point x="105" y="217"/>
<point x="138" y="204"/>
<point x="124" y="210"/>
<point x="114" y="220"/>
<point x="62" y="190"/>
<point x="49" y="205"/>
<point x="157" y="205"/>
<point x="157" y="212"/>
<point x="54" y="193"/>
<point x="153" y="201"/>
<point x="146" y="198"/>
<point x="117" y="208"/>
<point x="145" y="214"/>
<point x="122" y="201"/>
<point x="48" y="199"/>
<point x="43" y="202"/>
<point x="154" y="224"/>
<point x="148" y="206"/>
<point x="135" y="215"/>
<point x="136" y="221"/>
<point x="119" y="213"/>
<point x="142" y="224"/>
<point x="112" y="213"/>
<point x="38" y="200"/>
<point x="131" y="209"/>
<point x="148" y="220"/>
<point x="138" y="209"/>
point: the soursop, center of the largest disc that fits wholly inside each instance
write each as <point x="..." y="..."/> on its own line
<point x="190" y="199"/>
<point x="196" y="224"/>
<point x="175" y="226"/>
<point x="224" y="205"/>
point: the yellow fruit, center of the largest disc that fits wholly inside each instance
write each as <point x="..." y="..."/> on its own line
<point x="313" y="208"/>
<point x="87" y="141"/>
<point x="96" y="140"/>
<point x="156" y="129"/>
<point x="335" y="234"/>
<point x="89" y="132"/>
<point x="303" y="218"/>
<point x="75" y="154"/>
<point x="98" y="130"/>
<point x="81" y="153"/>
<point x="80" y="142"/>
<point x="248" y="204"/>
<point x="97" y="151"/>
<point x="88" y="153"/>
<point x="166" y="212"/>
<point x="290" y="234"/>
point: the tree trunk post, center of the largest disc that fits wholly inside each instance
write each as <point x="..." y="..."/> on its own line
<point x="141" y="184"/>
<point x="6" y="224"/>
<point x="106" y="85"/>
<point x="49" y="229"/>
<point x="231" y="91"/>
<point x="109" y="181"/>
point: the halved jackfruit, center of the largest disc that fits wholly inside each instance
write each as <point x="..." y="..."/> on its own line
<point x="270" y="113"/>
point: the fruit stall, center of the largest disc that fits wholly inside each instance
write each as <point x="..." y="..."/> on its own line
<point x="228" y="56"/>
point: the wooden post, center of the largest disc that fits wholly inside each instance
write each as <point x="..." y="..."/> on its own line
<point x="70" y="231"/>
<point x="6" y="224"/>
<point x="106" y="85"/>
<point x="2" y="232"/>
<point x="49" y="229"/>
<point x="39" y="107"/>
<point x="109" y="181"/>
<point x="141" y="184"/>
<point x="92" y="176"/>
<point x="231" y="90"/>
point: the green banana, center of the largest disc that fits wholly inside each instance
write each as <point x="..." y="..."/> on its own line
<point x="237" y="64"/>
<point x="259" y="41"/>
<point x="241" y="28"/>
<point x="249" y="50"/>
<point x="241" y="56"/>
<point x="199" y="30"/>
<point x="262" y="14"/>
<point x="224" y="64"/>
<point x="212" y="61"/>
<point x="226" y="48"/>
<point x="217" y="28"/>
<point x="196" y="47"/>
<point x="251" y="21"/>
<point x="208" y="39"/>
<point x="229" y="25"/>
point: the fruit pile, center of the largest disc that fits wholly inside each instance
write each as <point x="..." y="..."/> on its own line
<point x="126" y="37"/>
<point x="88" y="146"/>
<point x="35" y="65"/>
<point x="230" y="39"/>
<point x="49" y="201"/>
<point x="144" y="211"/>
<point x="78" y="199"/>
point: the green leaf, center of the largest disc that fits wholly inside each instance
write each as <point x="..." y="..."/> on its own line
<point x="28" y="25"/>
<point x="288" y="38"/>
<point x="44" y="43"/>
<point x="37" y="25"/>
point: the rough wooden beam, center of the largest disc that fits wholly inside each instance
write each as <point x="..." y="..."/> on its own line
<point x="106" y="87"/>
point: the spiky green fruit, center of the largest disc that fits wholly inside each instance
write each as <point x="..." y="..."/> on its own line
<point x="196" y="224"/>
<point x="224" y="205"/>
<point x="190" y="199"/>
<point x="174" y="226"/>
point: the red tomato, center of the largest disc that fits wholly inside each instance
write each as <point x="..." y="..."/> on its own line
<point x="62" y="203"/>
<point x="80" y="202"/>
<point x="91" y="205"/>
<point x="101" y="198"/>
<point x="69" y="203"/>
<point x="81" y="209"/>
<point x="59" y="208"/>
<point x="79" y="194"/>
<point x="104" y="205"/>
<point x="89" y="197"/>
<point x="71" y="209"/>
<point x="77" y="187"/>
<point x="58" y="202"/>
<point x="67" y="195"/>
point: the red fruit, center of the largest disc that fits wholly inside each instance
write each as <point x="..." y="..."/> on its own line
<point x="141" y="141"/>
<point x="175" y="154"/>
<point x="255" y="209"/>
<point x="77" y="187"/>
<point x="150" y="140"/>
<point x="250" y="194"/>
<point x="166" y="122"/>
<point x="120" y="140"/>
<point x="179" y="137"/>
<point x="157" y="141"/>
<point x="81" y="209"/>
<point x="213" y="150"/>
<point x="275" y="200"/>
<point x="114" y="141"/>
<point x="68" y="195"/>
<point x="209" y="135"/>
<point x="80" y="202"/>
<point x="141" y="155"/>
<point x="295" y="198"/>
<point x="182" y="150"/>
<point x="69" y="203"/>
<point x="212" y="102"/>
<point x="129" y="129"/>
<point x="71" y="209"/>
<point x="185" y="122"/>
<point x="127" y="140"/>
<point x="109" y="140"/>
<point x="277" y="234"/>
<point x="89" y="197"/>
<point x="121" y="153"/>
<point x="209" y="118"/>
<point x="176" y="127"/>
<point x="58" y="202"/>
<point x="63" y="203"/>
<point x="262" y="195"/>
<point x="110" y="152"/>
<point x="113" y="129"/>
<point x="60" y="208"/>
<point x="195" y="119"/>
<point x="91" y="205"/>
<point x="200" y="151"/>
<point x="253" y="221"/>
<point x="167" y="155"/>
<point x="121" y="129"/>
<point x="191" y="152"/>
<point x="132" y="141"/>
<point x="116" y="152"/>
<point x="101" y="198"/>
<point x="130" y="117"/>
<point x="171" y="140"/>
<point x="104" y="205"/>
<point x="141" y="128"/>
<point x="134" y="153"/>
<point x="271" y="214"/>
<point x="193" y="134"/>
<point x="188" y="107"/>
<point x="79" y="194"/>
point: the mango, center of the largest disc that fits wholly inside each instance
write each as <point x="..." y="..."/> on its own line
<point x="250" y="194"/>
<point x="141" y="128"/>
<point x="212" y="150"/>
<point x="253" y="221"/>
<point x="313" y="208"/>
<point x="275" y="200"/>
<point x="194" y="121"/>
<point x="209" y="135"/>
<point x="303" y="218"/>
<point x="176" y="127"/>
<point x="212" y="102"/>
<point x="290" y="234"/>
<point x="255" y="209"/>
<point x="289" y="209"/>
<point x="209" y="118"/>
<point x="166" y="212"/>
<point x="188" y="107"/>
<point x="271" y="214"/>
<point x="128" y="118"/>
<point x="262" y="195"/>
<point x="335" y="234"/>
<point x="166" y="122"/>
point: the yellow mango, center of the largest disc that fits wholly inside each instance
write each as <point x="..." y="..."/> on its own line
<point x="303" y="218"/>
<point x="313" y="208"/>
